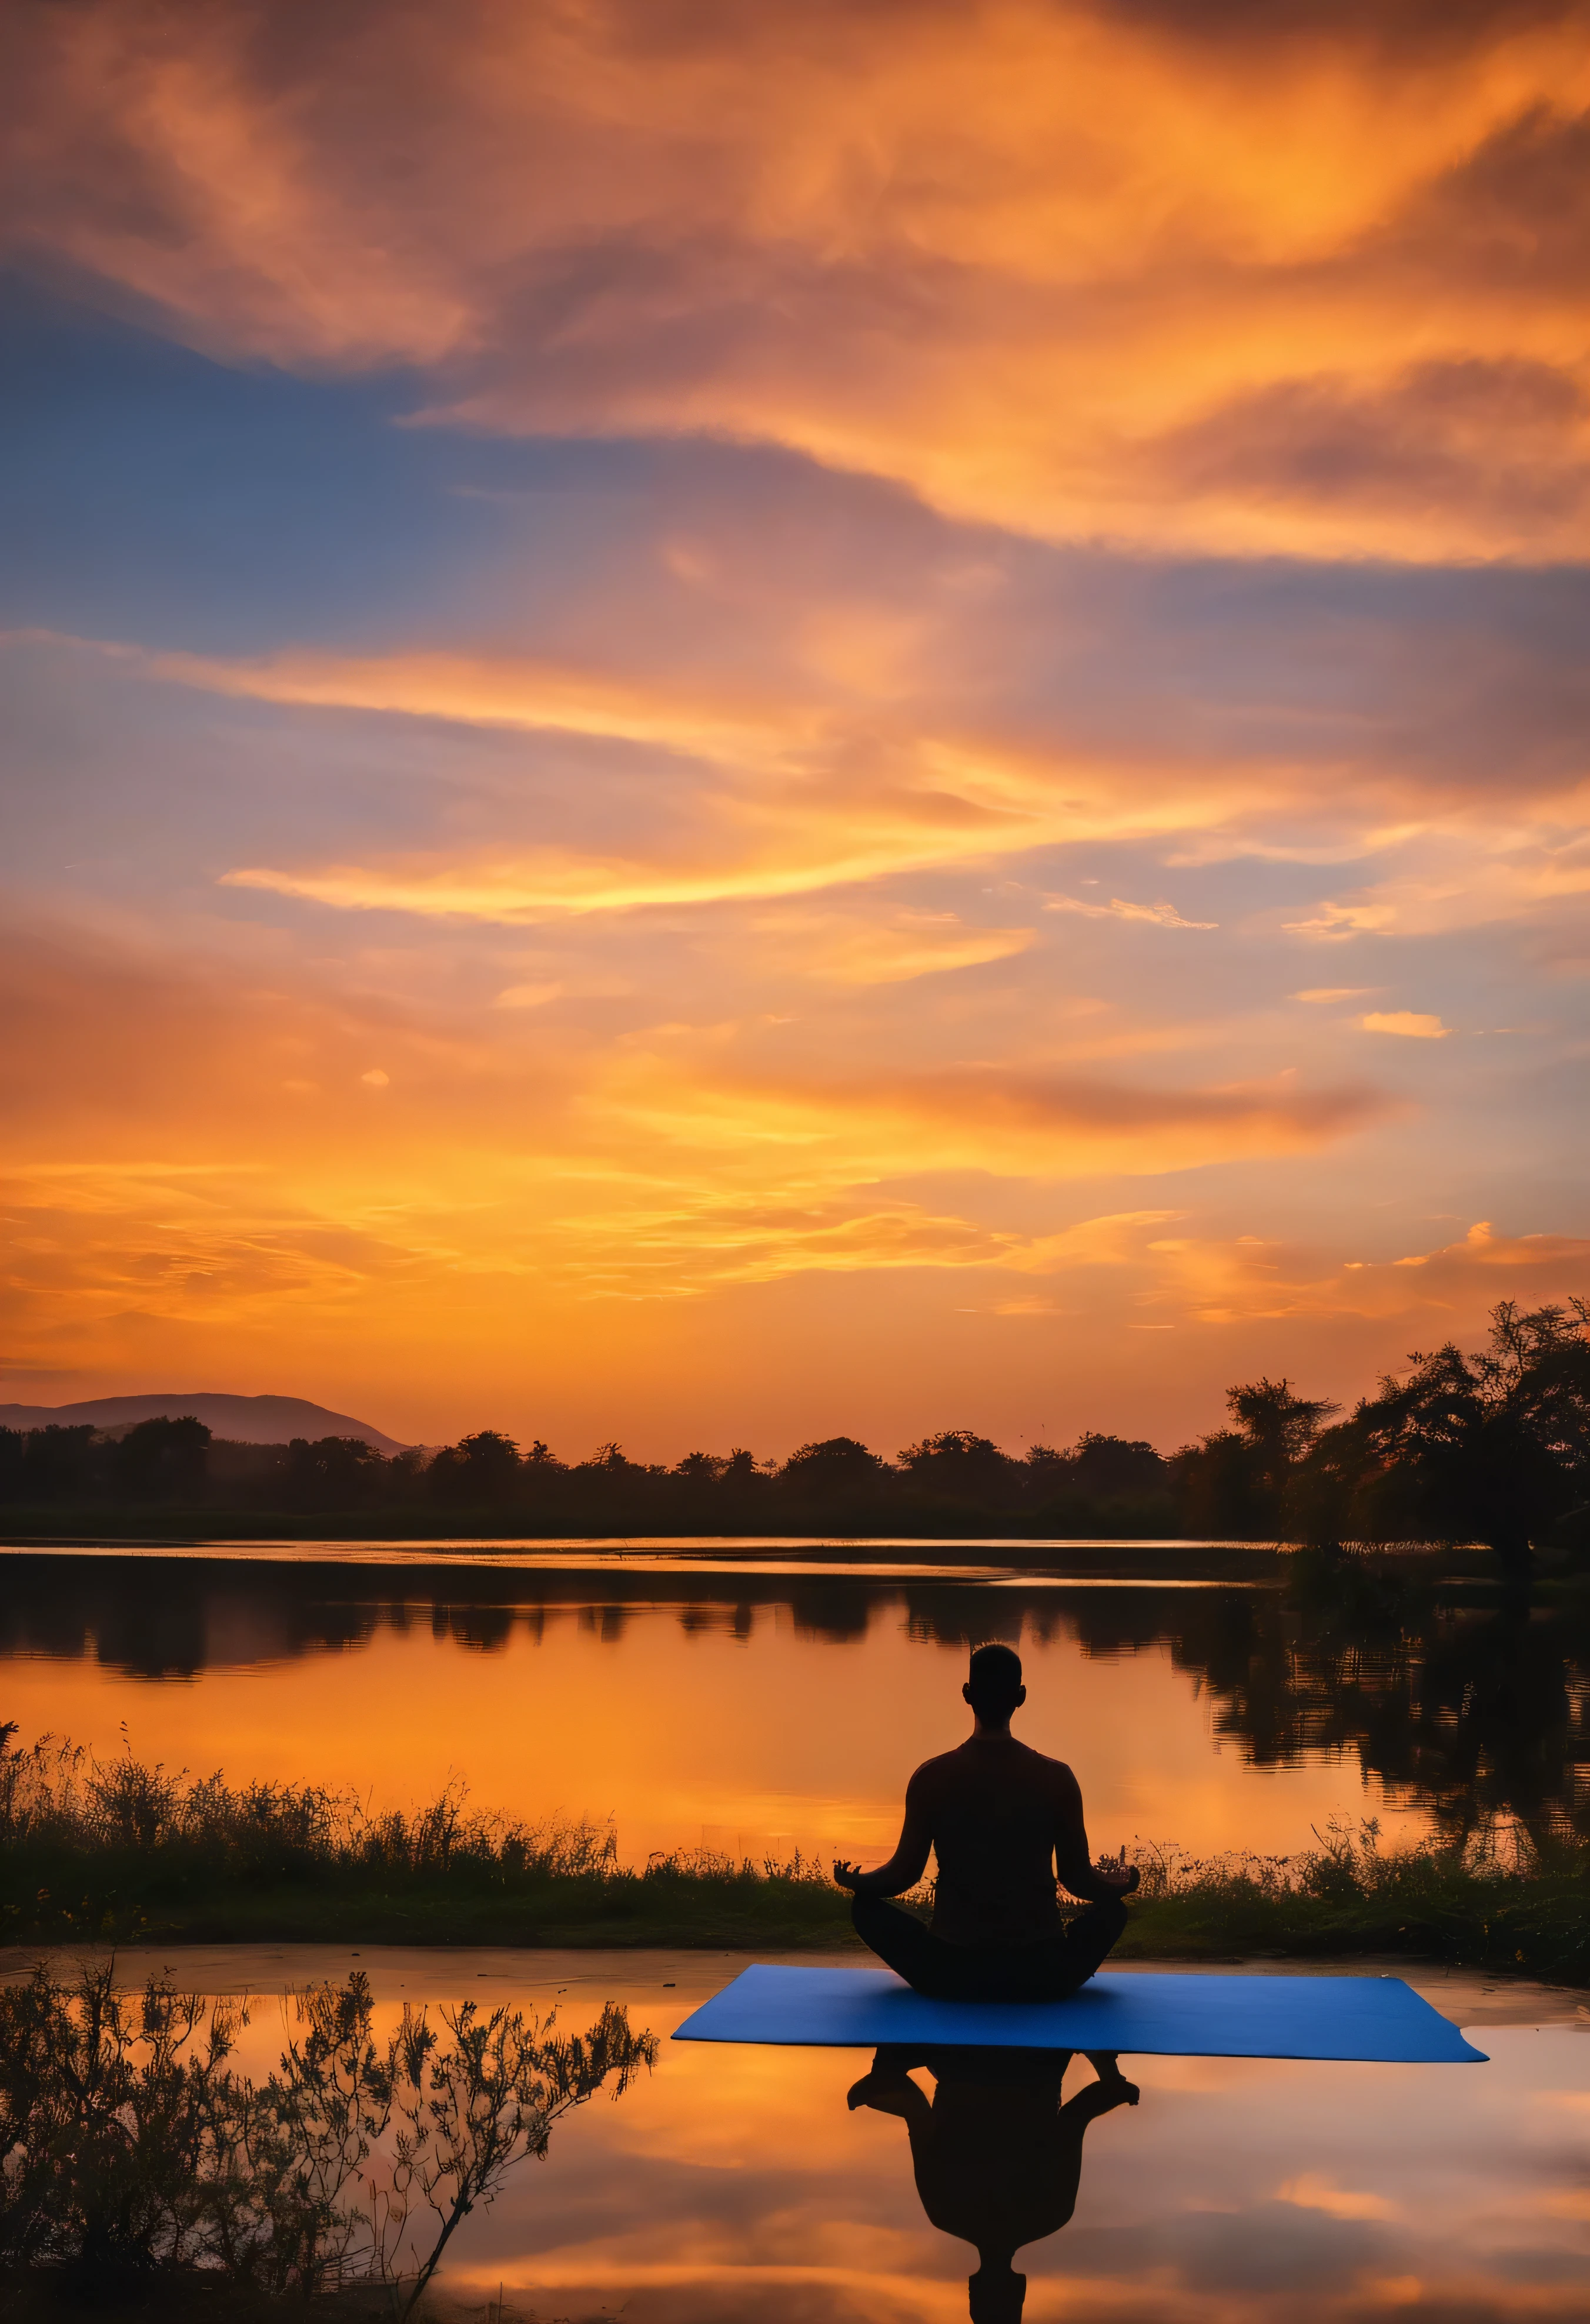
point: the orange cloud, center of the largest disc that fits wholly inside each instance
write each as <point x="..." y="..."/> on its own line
<point x="847" y="834"/>
<point x="209" y="1147"/>
<point x="1048" y="1126"/>
<point x="892" y="949"/>
<point x="1161" y="915"/>
<point x="809" y="784"/>
<point x="1411" y="1024"/>
<point x="804" y="793"/>
<point x="1170" y="277"/>
<point x="466" y="1213"/>
<point x="1432" y="1294"/>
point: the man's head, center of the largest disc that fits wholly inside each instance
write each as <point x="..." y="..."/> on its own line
<point x="993" y="1685"/>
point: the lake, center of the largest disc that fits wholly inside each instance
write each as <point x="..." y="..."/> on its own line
<point x="1214" y="1698"/>
<point x="761" y="1700"/>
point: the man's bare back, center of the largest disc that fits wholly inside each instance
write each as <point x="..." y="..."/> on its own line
<point x="998" y="1818"/>
<point x="1003" y="1822"/>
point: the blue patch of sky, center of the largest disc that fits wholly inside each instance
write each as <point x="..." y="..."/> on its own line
<point x="150" y="494"/>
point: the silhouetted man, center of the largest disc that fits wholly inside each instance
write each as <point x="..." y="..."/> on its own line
<point x="997" y="2157"/>
<point x="1002" y="1821"/>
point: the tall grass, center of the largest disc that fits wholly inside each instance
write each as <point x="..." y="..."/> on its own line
<point x="119" y="1850"/>
<point x="1493" y="1899"/>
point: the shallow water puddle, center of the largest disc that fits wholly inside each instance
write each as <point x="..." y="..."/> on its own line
<point x="736" y="2184"/>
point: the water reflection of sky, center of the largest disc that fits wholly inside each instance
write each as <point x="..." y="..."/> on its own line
<point x="734" y="2183"/>
<point x="743" y="1710"/>
<point x="1233" y="2189"/>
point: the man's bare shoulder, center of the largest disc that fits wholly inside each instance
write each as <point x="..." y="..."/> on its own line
<point x="937" y="1771"/>
<point x="1013" y="1758"/>
<point x="1057" y="1770"/>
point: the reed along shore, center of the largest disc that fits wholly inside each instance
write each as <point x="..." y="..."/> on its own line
<point x="117" y="1852"/>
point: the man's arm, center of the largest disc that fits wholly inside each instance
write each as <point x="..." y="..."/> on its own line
<point x="906" y="1866"/>
<point x="1095" y="1883"/>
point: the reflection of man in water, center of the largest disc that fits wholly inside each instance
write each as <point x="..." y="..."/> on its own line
<point x="997" y="2158"/>
<point x="1001" y="1819"/>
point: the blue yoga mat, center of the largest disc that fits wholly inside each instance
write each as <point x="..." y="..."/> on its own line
<point x="1369" y="2018"/>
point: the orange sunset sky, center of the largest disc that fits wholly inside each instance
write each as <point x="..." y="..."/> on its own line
<point x="730" y="721"/>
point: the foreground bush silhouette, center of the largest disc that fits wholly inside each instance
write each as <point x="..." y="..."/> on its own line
<point x="134" y="2151"/>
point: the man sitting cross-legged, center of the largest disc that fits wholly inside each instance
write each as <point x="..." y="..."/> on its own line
<point x="1002" y="1821"/>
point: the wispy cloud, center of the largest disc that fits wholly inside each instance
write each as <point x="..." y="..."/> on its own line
<point x="1084" y="271"/>
<point x="1161" y="915"/>
<point x="803" y="786"/>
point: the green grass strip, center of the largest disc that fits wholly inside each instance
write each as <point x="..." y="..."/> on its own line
<point x="93" y="1851"/>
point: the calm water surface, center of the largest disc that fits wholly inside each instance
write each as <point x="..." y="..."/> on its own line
<point x="735" y="2184"/>
<point x="1204" y="1696"/>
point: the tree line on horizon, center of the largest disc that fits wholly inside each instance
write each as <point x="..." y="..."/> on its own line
<point x="838" y="1481"/>
<point x="1492" y="1446"/>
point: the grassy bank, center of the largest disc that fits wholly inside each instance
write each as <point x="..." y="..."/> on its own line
<point x="125" y="1852"/>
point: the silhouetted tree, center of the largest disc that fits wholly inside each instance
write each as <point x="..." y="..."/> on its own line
<point x="612" y="1460"/>
<point x="164" y="1459"/>
<point x="1492" y="1447"/>
<point x="699" y="1468"/>
<point x="334" y="1472"/>
<point x="46" y="1464"/>
<point x="481" y="1468"/>
<point x="961" y="1466"/>
<point x="541" y="1490"/>
<point x="1238" y="1481"/>
<point x="713" y="1491"/>
<point x="1111" y="1468"/>
<point x="835" y="1468"/>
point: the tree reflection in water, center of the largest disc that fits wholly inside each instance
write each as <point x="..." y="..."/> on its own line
<point x="997" y="2153"/>
<point x="1470" y="1711"/>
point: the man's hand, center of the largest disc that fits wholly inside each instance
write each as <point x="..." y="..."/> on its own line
<point x="1117" y="1873"/>
<point x="847" y="1875"/>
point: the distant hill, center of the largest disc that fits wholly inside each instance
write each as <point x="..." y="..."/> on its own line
<point x="245" y="1419"/>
